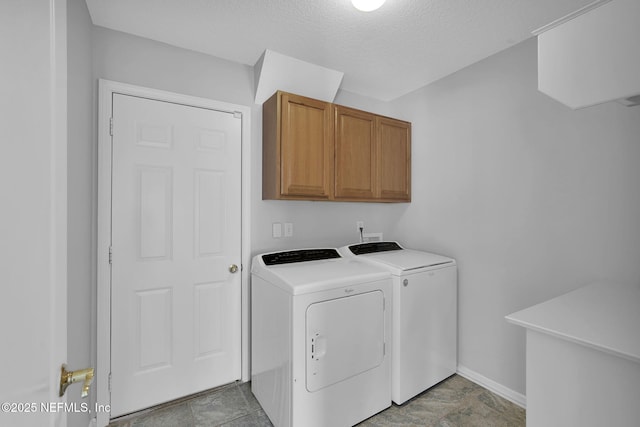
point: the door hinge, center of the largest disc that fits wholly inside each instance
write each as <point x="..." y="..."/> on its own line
<point x="111" y="126"/>
<point x="109" y="382"/>
<point x="110" y="254"/>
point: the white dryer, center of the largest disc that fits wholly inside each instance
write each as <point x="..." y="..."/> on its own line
<point x="320" y="333"/>
<point x="424" y="314"/>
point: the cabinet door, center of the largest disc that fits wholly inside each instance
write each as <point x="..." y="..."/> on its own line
<point x="393" y="159"/>
<point x="355" y="157"/>
<point x="306" y="148"/>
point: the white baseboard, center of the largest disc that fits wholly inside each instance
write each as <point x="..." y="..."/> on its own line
<point x="502" y="391"/>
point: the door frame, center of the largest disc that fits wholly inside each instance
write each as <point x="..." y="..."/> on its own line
<point x="103" y="295"/>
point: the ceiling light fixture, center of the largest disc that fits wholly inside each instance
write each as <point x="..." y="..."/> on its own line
<point x="367" y="5"/>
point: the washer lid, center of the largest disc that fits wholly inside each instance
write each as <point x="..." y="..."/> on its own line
<point x="301" y="277"/>
<point x="396" y="257"/>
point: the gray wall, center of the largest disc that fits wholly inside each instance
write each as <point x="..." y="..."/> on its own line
<point x="533" y="199"/>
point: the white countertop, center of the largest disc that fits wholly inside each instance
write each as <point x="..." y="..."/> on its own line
<point x="603" y="316"/>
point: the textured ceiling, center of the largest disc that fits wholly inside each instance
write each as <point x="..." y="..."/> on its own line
<point x="384" y="54"/>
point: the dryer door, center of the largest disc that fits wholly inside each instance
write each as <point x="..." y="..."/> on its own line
<point x="345" y="337"/>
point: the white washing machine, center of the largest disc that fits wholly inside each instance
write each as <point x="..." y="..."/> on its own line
<point x="424" y="315"/>
<point x="320" y="338"/>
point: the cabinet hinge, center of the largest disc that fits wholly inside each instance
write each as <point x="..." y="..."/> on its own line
<point x="111" y="126"/>
<point x="237" y="115"/>
<point x="110" y="255"/>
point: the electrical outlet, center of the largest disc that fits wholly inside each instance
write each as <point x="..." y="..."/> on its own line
<point x="372" y="237"/>
<point x="359" y="225"/>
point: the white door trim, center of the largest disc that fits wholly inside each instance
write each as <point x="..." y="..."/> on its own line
<point x="103" y="333"/>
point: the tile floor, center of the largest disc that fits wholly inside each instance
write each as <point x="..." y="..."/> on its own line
<point x="455" y="402"/>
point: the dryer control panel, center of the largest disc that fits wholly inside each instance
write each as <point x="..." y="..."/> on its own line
<point x="372" y="247"/>
<point x="300" y="255"/>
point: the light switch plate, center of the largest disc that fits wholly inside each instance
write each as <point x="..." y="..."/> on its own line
<point x="276" y="231"/>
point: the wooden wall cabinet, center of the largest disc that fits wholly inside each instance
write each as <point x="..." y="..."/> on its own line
<point x="297" y="149"/>
<point x="315" y="150"/>
<point x="355" y="154"/>
<point x="394" y="159"/>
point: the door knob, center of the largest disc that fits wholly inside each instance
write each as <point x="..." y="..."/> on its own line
<point x="233" y="268"/>
<point x="69" y="377"/>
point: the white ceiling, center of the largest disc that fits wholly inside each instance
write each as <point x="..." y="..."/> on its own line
<point x="384" y="54"/>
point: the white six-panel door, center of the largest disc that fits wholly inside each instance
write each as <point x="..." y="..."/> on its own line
<point x="175" y="304"/>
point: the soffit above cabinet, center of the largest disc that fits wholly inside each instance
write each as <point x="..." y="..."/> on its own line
<point x="275" y="71"/>
<point x="592" y="58"/>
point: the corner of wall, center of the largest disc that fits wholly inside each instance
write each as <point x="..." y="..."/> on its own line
<point x="499" y="389"/>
